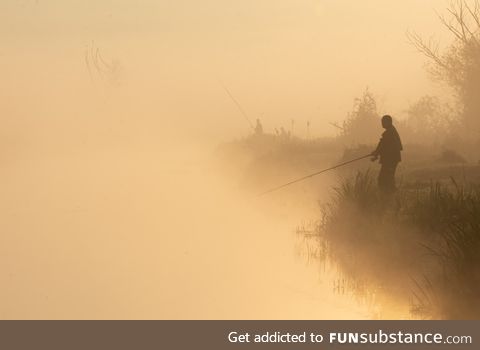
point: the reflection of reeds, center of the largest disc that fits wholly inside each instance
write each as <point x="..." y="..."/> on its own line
<point x="310" y="243"/>
<point x="313" y="246"/>
<point x="424" y="241"/>
<point x="424" y="297"/>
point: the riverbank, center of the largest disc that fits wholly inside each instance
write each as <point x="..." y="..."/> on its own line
<point x="420" y="245"/>
<point x="412" y="255"/>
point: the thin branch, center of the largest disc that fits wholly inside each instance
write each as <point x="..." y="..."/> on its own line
<point x="474" y="13"/>
<point x="337" y="126"/>
<point x="451" y="28"/>
<point x="429" y="49"/>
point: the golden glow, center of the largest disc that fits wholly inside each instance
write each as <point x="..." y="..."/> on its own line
<point x="110" y="208"/>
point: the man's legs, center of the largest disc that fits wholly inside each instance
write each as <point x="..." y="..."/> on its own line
<point x="386" y="178"/>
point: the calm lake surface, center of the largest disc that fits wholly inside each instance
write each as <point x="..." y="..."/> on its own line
<point x="151" y="235"/>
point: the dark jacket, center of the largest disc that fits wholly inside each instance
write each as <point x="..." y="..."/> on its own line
<point x="389" y="147"/>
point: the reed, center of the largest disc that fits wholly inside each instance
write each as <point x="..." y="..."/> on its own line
<point x="422" y="243"/>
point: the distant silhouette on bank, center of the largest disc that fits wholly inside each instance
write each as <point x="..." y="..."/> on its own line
<point x="258" y="128"/>
<point x="388" y="150"/>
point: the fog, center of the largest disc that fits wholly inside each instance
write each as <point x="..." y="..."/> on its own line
<point x="305" y="60"/>
<point x="146" y="235"/>
<point x="111" y="207"/>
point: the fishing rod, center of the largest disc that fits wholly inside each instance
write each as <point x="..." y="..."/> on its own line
<point x="238" y="105"/>
<point x="312" y="175"/>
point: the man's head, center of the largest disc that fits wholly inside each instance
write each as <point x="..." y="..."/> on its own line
<point x="387" y="121"/>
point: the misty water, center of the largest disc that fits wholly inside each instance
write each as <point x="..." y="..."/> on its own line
<point x="151" y="234"/>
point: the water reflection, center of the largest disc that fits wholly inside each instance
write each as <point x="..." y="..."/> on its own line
<point x="380" y="301"/>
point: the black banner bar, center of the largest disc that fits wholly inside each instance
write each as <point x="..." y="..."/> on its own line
<point x="143" y="335"/>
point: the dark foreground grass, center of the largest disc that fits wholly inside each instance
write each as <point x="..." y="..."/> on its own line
<point x="420" y="245"/>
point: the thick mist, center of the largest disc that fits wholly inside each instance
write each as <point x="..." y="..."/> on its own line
<point x="151" y="232"/>
<point x="111" y="205"/>
<point x="304" y="60"/>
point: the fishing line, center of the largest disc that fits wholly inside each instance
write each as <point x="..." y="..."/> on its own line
<point x="311" y="175"/>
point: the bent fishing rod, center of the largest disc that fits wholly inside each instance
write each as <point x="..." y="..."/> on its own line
<point x="312" y="175"/>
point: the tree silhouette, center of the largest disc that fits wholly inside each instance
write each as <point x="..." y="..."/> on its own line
<point x="362" y="124"/>
<point x="459" y="64"/>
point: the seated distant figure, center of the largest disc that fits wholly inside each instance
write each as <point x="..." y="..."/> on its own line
<point x="388" y="150"/>
<point x="258" y="128"/>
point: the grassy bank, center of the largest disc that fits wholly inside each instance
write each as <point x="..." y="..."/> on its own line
<point x="420" y="245"/>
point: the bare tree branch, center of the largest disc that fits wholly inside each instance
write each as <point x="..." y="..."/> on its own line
<point x="459" y="25"/>
<point x="452" y="28"/>
<point x="429" y="49"/>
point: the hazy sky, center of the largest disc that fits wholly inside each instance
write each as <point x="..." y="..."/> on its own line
<point x="94" y="225"/>
<point x="283" y="60"/>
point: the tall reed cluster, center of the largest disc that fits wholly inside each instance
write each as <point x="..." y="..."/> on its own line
<point x="421" y="243"/>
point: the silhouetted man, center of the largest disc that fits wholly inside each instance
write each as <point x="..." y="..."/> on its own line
<point x="388" y="150"/>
